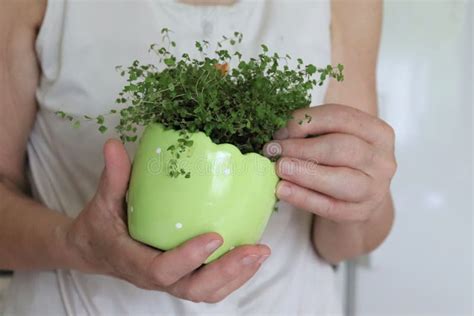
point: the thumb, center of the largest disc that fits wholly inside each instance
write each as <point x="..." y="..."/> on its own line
<point x="114" y="180"/>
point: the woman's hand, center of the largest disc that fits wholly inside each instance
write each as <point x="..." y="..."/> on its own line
<point x="97" y="241"/>
<point x="336" y="162"/>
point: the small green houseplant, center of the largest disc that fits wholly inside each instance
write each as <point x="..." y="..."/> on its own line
<point x="198" y="166"/>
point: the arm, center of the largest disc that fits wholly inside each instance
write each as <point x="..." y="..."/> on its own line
<point x="356" y="28"/>
<point x="97" y="241"/>
<point x="342" y="172"/>
<point x="27" y="228"/>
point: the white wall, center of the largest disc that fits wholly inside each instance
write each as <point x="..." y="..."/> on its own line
<point x="425" y="87"/>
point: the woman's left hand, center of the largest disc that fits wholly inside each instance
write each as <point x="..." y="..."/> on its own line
<point x="336" y="162"/>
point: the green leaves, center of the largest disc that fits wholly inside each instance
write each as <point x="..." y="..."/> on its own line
<point x="183" y="144"/>
<point x="198" y="45"/>
<point x="311" y="69"/>
<point x="102" y="129"/>
<point x="100" y="119"/>
<point x="243" y="105"/>
<point x="170" y="62"/>
<point x="61" y="114"/>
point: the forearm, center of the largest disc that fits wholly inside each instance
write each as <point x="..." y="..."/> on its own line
<point x="336" y="242"/>
<point x="30" y="234"/>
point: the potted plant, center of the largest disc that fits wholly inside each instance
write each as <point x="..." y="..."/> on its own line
<point x="198" y="166"/>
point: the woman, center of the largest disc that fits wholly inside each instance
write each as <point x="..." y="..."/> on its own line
<point x="69" y="243"/>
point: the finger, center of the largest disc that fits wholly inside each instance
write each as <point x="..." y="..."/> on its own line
<point x="335" y="118"/>
<point x="231" y="271"/>
<point x="203" y="284"/>
<point x="232" y="286"/>
<point x="114" y="180"/>
<point x="161" y="269"/>
<point x="335" y="149"/>
<point x="338" y="182"/>
<point x="320" y="204"/>
<point x="172" y="265"/>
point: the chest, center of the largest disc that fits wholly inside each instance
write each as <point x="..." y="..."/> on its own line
<point x="81" y="42"/>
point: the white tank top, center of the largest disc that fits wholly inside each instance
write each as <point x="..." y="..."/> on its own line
<point x="79" y="45"/>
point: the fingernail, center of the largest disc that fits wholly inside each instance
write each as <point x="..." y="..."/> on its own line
<point x="263" y="258"/>
<point x="251" y="259"/>
<point x="282" y="133"/>
<point x="272" y="149"/>
<point x="213" y="245"/>
<point x="283" y="190"/>
<point x="286" y="167"/>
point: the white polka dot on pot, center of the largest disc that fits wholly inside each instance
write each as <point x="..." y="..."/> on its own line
<point x="158" y="150"/>
<point x="178" y="225"/>
<point x="226" y="171"/>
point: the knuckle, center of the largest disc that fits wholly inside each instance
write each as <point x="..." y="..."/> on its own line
<point x="228" y="272"/>
<point x="387" y="164"/>
<point x="292" y="148"/>
<point x="354" y="151"/>
<point x="374" y="191"/>
<point x="192" y="255"/>
<point x="327" y="210"/>
<point x="372" y="157"/>
<point x="336" y="107"/>
<point x="390" y="167"/>
<point x="307" y="201"/>
<point x="145" y="286"/>
<point x="329" y="145"/>
<point x="301" y="150"/>
<point x="215" y="298"/>
<point x="361" y="215"/>
<point x="349" y="182"/>
<point x="341" y="113"/>
<point x="192" y="294"/>
<point x="162" y="279"/>
<point x="360" y="192"/>
<point x="344" y="148"/>
<point x="388" y="130"/>
<point x="394" y="166"/>
<point x="324" y="147"/>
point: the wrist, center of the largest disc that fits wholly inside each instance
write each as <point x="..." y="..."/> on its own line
<point x="71" y="249"/>
<point x="336" y="242"/>
<point x="60" y="248"/>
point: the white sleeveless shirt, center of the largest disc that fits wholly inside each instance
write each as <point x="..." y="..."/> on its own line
<point x="79" y="45"/>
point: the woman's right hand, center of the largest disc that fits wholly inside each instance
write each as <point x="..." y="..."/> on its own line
<point x="97" y="241"/>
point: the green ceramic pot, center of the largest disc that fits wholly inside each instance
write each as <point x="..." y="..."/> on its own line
<point x="228" y="193"/>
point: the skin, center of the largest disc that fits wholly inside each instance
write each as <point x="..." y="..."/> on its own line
<point x="343" y="175"/>
<point x="35" y="237"/>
